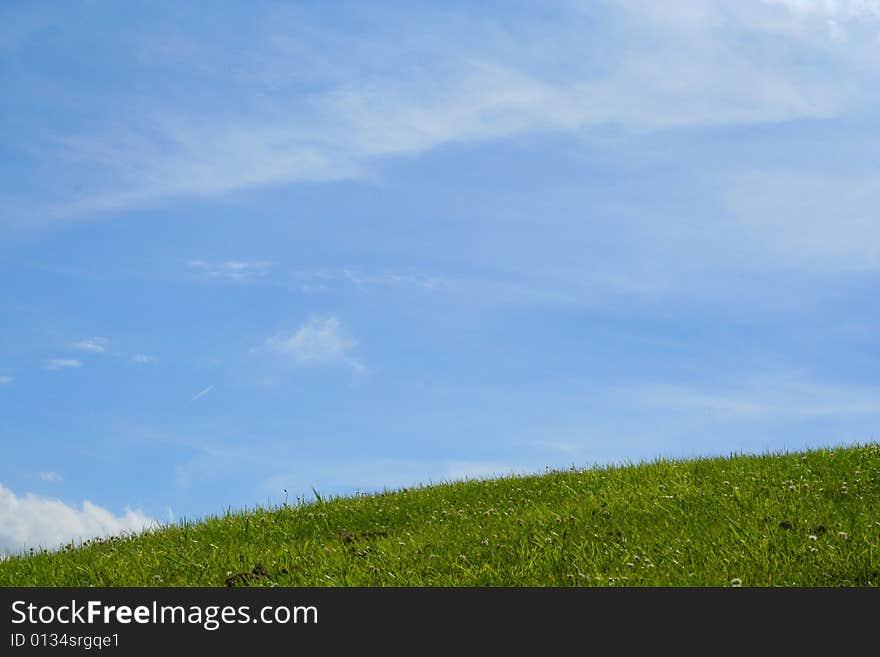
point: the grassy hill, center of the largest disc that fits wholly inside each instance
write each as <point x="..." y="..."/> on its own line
<point x="809" y="519"/>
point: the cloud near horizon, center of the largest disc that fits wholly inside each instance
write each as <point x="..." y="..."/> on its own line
<point x="34" y="521"/>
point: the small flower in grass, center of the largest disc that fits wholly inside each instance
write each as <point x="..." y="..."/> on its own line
<point x="736" y="582"/>
<point x="813" y="537"/>
<point x="843" y="535"/>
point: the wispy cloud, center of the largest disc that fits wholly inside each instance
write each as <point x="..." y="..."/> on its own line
<point x="362" y="278"/>
<point x="321" y="280"/>
<point x="95" y="345"/>
<point x="142" y="359"/>
<point x="51" y="477"/>
<point x="320" y="340"/>
<point x="6" y="380"/>
<point x="62" y="363"/>
<point x="831" y="9"/>
<point x="812" y="219"/>
<point x="33" y="521"/>
<point x="666" y="65"/>
<point x="230" y="270"/>
<point x="777" y="397"/>
<point x="201" y="393"/>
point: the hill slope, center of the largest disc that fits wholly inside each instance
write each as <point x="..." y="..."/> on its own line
<point x="810" y="519"/>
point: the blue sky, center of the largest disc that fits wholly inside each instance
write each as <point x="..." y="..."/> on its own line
<point x="278" y="246"/>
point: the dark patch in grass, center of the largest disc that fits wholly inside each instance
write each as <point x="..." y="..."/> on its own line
<point x="786" y="524"/>
<point x="347" y="536"/>
<point x="374" y="533"/>
<point x="253" y="576"/>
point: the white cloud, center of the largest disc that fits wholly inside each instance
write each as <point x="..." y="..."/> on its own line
<point x="833" y="9"/>
<point x="96" y="345"/>
<point x="316" y="341"/>
<point x="361" y="279"/>
<point x="320" y="280"/>
<point x="784" y="397"/>
<point x="62" y="363"/>
<point x="51" y="477"/>
<point x="142" y="359"/>
<point x="816" y="220"/>
<point x="6" y="379"/>
<point x="703" y="62"/>
<point x="33" y="521"/>
<point x="231" y="270"/>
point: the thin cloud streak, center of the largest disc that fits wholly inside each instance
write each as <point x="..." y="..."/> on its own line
<point x="783" y="397"/>
<point x="231" y="270"/>
<point x="95" y="345"/>
<point x="62" y="363"/>
<point x="201" y="393"/>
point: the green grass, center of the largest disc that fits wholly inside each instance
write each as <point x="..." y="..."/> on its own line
<point x="808" y="519"/>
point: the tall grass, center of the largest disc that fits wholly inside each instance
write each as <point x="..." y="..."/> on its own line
<point x="804" y="519"/>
